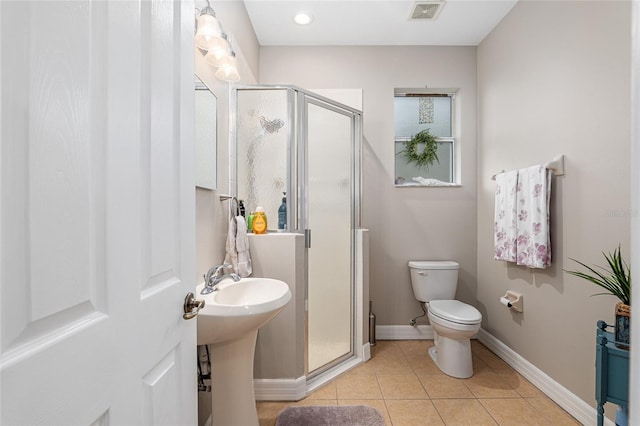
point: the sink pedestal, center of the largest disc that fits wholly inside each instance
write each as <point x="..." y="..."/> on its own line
<point x="233" y="401"/>
<point x="229" y="321"/>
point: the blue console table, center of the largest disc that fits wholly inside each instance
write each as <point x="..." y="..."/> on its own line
<point x="612" y="371"/>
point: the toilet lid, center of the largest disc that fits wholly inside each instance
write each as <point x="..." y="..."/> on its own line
<point x="455" y="311"/>
<point x="433" y="264"/>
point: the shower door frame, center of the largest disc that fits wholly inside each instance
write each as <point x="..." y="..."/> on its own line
<point x="305" y="98"/>
<point x="297" y="212"/>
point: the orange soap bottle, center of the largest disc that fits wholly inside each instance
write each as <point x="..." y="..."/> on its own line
<point x="259" y="224"/>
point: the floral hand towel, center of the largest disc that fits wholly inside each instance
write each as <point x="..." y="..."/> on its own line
<point x="505" y="216"/>
<point x="533" y="243"/>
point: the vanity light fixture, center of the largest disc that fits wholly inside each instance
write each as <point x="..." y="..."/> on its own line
<point x="211" y="39"/>
<point x="228" y="69"/>
<point x="208" y="28"/>
<point x="303" y="18"/>
<point x="218" y="49"/>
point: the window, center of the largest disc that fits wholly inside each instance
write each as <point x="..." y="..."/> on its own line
<point x="416" y="112"/>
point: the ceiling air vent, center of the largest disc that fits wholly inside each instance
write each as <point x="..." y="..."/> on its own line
<point x="426" y="10"/>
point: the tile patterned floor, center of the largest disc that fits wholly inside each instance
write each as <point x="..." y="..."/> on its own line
<point x="402" y="382"/>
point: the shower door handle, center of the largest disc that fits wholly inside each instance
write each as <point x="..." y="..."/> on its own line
<point x="307" y="238"/>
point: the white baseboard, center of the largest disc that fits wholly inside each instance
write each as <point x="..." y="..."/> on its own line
<point x="583" y="412"/>
<point x="280" y="389"/>
<point x="297" y="389"/>
<point x="403" y="332"/>
<point x="366" y="352"/>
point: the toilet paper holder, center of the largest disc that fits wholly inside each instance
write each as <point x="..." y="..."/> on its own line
<point x="512" y="300"/>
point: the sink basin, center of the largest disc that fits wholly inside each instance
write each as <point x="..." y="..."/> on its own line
<point x="237" y="308"/>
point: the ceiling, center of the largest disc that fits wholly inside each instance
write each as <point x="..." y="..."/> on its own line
<point x="374" y="22"/>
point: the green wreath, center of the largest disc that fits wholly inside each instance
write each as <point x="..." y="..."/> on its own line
<point x="427" y="142"/>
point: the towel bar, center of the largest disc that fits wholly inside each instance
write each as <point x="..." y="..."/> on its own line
<point x="556" y="165"/>
<point x="232" y="198"/>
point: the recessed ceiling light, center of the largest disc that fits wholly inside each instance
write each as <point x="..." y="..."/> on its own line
<point x="303" y="19"/>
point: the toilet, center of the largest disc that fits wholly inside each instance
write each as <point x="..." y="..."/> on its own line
<point x="454" y="323"/>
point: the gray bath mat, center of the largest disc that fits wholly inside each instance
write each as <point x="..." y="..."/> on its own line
<point x="333" y="415"/>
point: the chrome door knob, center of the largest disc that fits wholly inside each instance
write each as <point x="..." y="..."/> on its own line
<point x="191" y="306"/>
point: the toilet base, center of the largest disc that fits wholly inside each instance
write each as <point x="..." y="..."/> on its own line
<point x="452" y="356"/>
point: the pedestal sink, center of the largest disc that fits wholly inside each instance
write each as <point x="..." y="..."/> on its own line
<point x="229" y="323"/>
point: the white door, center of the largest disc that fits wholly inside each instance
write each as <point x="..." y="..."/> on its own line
<point x="97" y="212"/>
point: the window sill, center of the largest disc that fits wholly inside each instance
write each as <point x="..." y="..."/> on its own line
<point x="419" y="185"/>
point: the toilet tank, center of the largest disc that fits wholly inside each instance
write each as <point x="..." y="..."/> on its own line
<point x="434" y="280"/>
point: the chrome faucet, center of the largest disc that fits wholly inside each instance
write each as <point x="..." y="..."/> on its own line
<point x="213" y="277"/>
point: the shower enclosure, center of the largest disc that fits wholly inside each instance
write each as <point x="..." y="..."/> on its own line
<point x="293" y="143"/>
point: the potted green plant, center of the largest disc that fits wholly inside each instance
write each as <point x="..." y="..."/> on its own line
<point x="421" y="149"/>
<point x="616" y="280"/>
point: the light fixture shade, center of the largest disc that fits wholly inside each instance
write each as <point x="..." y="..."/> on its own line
<point x="208" y="30"/>
<point x="228" y="69"/>
<point x="228" y="74"/>
<point x="218" y="49"/>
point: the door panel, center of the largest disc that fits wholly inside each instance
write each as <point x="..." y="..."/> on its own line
<point x="97" y="199"/>
<point x="48" y="168"/>
<point x="329" y="197"/>
<point x="161" y="380"/>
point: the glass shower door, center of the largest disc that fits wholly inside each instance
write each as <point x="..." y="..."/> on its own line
<point x="329" y="214"/>
<point x="261" y="154"/>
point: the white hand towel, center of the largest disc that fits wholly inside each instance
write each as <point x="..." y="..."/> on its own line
<point x="242" y="248"/>
<point x="505" y="216"/>
<point x="533" y="242"/>
<point x="432" y="182"/>
<point x="231" y="258"/>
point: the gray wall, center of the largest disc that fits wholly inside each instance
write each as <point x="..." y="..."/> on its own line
<point x="279" y="352"/>
<point x="212" y="214"/>
<point x="554" y="78"/>
<point x="405" y="223"/>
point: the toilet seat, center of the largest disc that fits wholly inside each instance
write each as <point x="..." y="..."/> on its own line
<point x="455" y="311"/>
